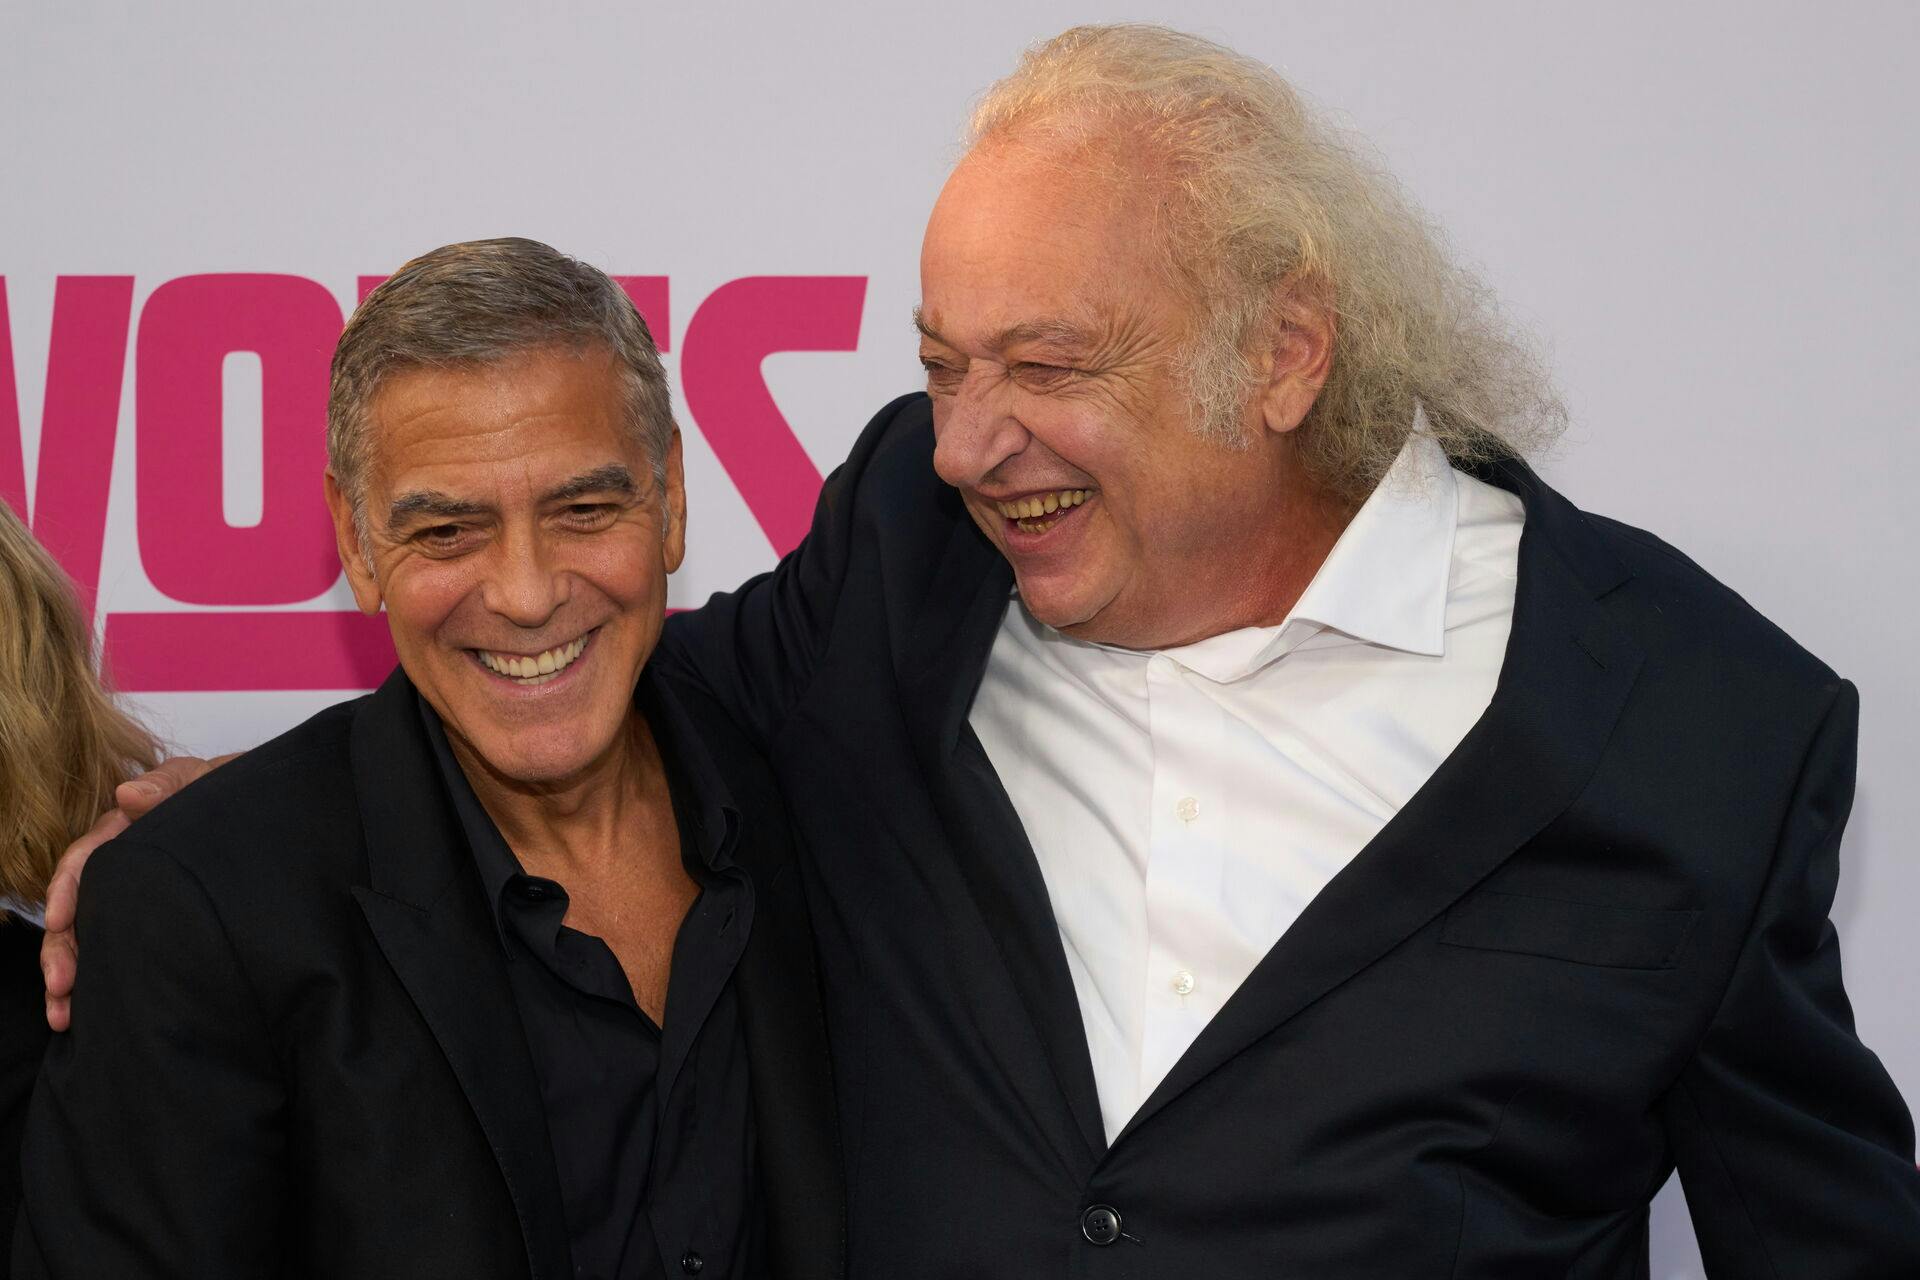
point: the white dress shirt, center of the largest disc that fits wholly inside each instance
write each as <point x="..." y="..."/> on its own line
<point x="1186" y="805"/>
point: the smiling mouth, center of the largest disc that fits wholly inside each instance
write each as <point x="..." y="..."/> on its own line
<point x="1038" y="513"/>
<point x="528" y="670"/>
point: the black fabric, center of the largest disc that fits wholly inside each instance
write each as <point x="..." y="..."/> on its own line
<point x="651" y="1127"/>
<point x="1424" y="1077"/>
<point x="295" y="1049"/>
<point x="23" y="1038"/>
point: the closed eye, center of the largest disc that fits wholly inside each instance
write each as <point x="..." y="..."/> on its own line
<point x="1034" y="376"/>
<point x="589" y="515"/>
<point x="943" y="378"/>
<point x="443" y="539"/>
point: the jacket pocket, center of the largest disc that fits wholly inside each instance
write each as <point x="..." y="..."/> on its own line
<point x="1611" y="937"/>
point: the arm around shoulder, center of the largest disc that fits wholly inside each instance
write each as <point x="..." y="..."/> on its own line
<point x="155" y="1144"/>
<point x="1794" y="1147"/>
<point x="755" y="649"/>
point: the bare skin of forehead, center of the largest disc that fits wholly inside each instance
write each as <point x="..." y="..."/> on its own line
<point x="1108" y="185"/>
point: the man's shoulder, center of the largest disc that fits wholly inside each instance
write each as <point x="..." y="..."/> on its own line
<point x="896" y="445"/>
<point x="891" y="469"/>
<point x="1686" y="611"/>
<point x="725" y="748"/>
<point x="282" y="811"/>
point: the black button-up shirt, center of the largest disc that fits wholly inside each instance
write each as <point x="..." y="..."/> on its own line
<point x="651" y="1126"/>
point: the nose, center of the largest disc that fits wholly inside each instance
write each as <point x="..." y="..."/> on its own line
<point x="524" y="586"/>
<point x="978" y="430"/>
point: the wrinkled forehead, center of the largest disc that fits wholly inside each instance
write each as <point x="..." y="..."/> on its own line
<point x="517" y="422"/>
<point x="1023" y="236"/>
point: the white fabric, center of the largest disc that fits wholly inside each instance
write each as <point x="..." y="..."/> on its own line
<point x="1186" y="805"/>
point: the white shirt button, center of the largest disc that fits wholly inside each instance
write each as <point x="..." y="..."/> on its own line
<point x="1188" y="808"/>
<point x="1183" y="983"/>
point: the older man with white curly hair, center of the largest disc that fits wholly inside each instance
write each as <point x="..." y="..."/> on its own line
<point x="1255" y="826"/>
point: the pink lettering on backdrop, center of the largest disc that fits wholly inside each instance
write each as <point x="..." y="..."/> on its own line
<point x="733" y="332"/>
<point x="649" y="295"/>
<point x="187" y="329"/>
<point x="237" y="651"/>
<point x="86" y="361"/>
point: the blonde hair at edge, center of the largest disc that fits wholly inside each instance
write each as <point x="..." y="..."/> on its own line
<point x="1258" y="194"/>
<point x="64" y="746"/>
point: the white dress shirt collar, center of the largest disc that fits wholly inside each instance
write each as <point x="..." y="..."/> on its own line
<point x="1384" y="582"/>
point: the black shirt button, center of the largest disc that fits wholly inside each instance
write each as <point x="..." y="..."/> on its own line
<point x="1100" y="1225"/>
<point x="692" y="1263"/>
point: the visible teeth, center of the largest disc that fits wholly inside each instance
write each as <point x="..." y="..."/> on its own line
<point x="538" y="668"/>
<point x="1044" y="505"/>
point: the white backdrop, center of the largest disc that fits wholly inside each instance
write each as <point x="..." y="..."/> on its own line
<point x="1707" y="210"/>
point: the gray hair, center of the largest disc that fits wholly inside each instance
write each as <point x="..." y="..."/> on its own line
<point x="477" y="303"/>
<point x="1258" y="193"/>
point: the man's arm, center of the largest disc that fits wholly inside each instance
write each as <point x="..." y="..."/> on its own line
<point x="1794" y="1147"/>
<point x="755" y="649"/>
<point x="155" y="1143"/>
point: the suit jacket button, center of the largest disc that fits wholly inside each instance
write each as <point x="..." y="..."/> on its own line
<point x="692" y="1263"/>
<point x="1100" y="1225"/>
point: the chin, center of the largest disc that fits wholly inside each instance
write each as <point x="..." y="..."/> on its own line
<point x="537" y="766"/>
<point x="543" y="755"/>
<point x="1060" y="607"/>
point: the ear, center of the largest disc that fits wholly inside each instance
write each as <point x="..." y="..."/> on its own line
<point x="354" y="558"/>
<point x="673" y="547"/>
<point x="1297" y="357"/>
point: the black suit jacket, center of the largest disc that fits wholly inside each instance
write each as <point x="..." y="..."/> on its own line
<point x="1594" y="946"/>
<point x="295" y="1050"/>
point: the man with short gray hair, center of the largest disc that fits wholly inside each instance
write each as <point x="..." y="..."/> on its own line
<point x="462" y="978"/>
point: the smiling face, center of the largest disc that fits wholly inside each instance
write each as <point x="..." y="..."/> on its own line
<point x="521" y="549"/>
<point x="1053" y="340"/>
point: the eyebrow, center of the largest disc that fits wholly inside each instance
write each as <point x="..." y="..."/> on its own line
<point x="430" y="502"/>
<point x="1052" y="332"/>
<point x="433" y="504"/>
<point x="612" y="478"/>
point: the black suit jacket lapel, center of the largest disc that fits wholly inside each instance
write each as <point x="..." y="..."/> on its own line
<point x="425" y="906"/>
<point x="946" y="645"/>
<point x="1565" y="678"/>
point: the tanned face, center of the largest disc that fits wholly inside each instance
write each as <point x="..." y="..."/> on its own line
<point x="521" y="550"/>
<point x="1053" y="338"/>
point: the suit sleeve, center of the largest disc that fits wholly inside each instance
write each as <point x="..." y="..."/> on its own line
<point x="754" y="650"/>
<point x="1794" y="1148"/>
<point x="155" y="1144"/>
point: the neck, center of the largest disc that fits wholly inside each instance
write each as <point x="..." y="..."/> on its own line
<point x="576" y="824"/>
<point x="1283" y="535"/>
<point x="1262" y="593"/>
